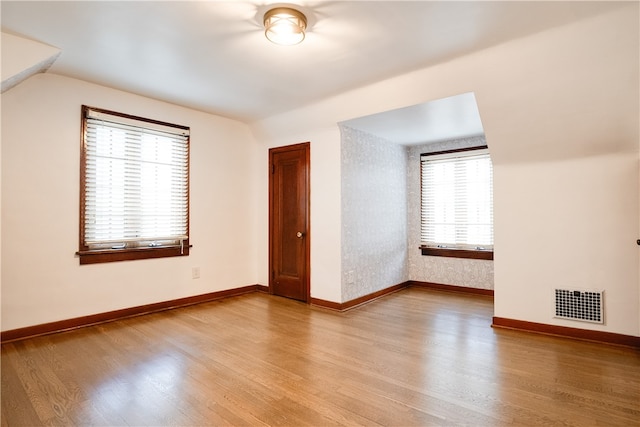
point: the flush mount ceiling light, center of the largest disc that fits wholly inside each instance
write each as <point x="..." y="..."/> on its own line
<point x="285" y="26"/>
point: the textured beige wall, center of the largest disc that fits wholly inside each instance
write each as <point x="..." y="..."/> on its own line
<point x="472" y="273"/>
<point x="374" y="214"/>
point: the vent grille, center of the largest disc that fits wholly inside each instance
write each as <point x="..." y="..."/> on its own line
<point x="580" y="305"/>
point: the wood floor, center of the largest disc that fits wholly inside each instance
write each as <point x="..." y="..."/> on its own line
<point x="414" y="358"/>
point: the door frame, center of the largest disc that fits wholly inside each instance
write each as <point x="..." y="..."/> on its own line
<point x="306" y="146"/>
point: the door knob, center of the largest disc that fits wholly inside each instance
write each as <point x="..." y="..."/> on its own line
<point x="299" y="234"/>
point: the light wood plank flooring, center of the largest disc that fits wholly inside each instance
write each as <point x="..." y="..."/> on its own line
<point x="414" y="358"/>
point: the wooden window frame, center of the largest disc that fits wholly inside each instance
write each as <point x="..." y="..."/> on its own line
<point x="457" y="253"/>
<point x="95" y="256"/>
<point x="484" y="254"/>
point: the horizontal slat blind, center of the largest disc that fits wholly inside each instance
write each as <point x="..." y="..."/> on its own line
<point x="457" y="201"/>
<point x="136" y="183"/>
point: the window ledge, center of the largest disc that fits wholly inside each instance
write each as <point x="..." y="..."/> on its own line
<point x="113" y="255"/>
<point x="457" y="253"/>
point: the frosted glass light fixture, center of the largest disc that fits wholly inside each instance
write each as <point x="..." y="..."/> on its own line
<point x="284" y="26"/>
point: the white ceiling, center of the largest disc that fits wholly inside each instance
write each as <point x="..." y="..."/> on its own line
<point x="212" y="55"/>
<point x="439" y="120"/>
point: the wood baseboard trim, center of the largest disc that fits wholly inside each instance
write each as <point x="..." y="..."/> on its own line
<point x="110" y="316"/>
<point x="262" y="288"/>
<point x="322" y="303"/>
<point x="567" y="332"/>
<point x="498" y="322"/>
<point x="357" y="301"/>
<point x="451" y="288"/>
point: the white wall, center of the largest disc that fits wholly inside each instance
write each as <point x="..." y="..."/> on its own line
<point x="1" y="221"/>
<point x="42" y="280"/>
<point x="325" y="208"/>
<point x="573" y="224"/>
<point x="564" y="98"/>
<point x="560" y="112"/>
<point x="22" y="58"/>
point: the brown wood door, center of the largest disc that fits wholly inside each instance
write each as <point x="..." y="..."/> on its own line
<point x="289" y="244"/>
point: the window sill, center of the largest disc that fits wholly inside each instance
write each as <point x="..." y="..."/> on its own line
<point x="457" y="253"/>
<point x="113" y="255"/>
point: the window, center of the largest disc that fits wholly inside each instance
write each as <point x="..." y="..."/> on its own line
<point x="134" y="188"/>
<point x="457" y="204"/>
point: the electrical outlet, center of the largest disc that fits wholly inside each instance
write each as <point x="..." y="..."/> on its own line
<point x="195" y="273"/>
<point x="350" y="278"/>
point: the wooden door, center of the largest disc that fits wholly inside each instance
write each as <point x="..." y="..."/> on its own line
<point x="289" y="244"/>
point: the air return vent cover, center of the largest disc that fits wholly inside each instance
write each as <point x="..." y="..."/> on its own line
<point x="583" y="305"/>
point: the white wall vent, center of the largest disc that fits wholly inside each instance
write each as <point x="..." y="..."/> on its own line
<point x="583" y="305"/>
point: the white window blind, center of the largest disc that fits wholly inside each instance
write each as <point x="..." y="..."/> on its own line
<point x="136" y="182"/>
<point x="457" y="200"/>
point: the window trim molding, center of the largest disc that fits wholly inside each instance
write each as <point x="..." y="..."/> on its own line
<point x="457" y="253"/>
<point x="457" y="150"/>
<point x="96" y="256"/>
<point x="483" y="254"/>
